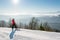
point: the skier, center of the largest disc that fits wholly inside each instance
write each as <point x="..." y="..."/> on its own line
<point x="13" y="24"/>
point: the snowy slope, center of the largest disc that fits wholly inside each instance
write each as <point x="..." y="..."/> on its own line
<point x="25" y="34"/>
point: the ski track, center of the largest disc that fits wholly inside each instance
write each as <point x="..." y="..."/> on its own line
<point x="25" y="34"/>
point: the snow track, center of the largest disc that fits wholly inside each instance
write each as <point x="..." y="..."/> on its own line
<point x="25" y="34"/>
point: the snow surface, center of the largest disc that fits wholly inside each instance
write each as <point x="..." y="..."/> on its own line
<point x="25" y="34"/>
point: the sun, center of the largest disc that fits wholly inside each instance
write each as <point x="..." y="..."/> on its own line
<point x="15" y="2"/>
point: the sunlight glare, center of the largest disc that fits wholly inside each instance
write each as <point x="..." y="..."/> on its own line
<point x="15" y="2"/>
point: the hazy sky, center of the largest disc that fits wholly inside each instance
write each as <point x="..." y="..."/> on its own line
<point x="30" y="7"/>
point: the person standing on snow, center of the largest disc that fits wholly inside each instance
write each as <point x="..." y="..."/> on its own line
<point x="13" y="24"/>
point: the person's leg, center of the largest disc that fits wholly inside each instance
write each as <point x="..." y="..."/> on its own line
<point x="15" y="26"/>
<point x="12" y="27"/>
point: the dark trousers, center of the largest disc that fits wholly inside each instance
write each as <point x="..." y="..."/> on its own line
<point x="14" y="26"/>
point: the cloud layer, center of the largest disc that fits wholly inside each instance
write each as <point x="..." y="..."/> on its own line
<point x="31" y="13"/>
